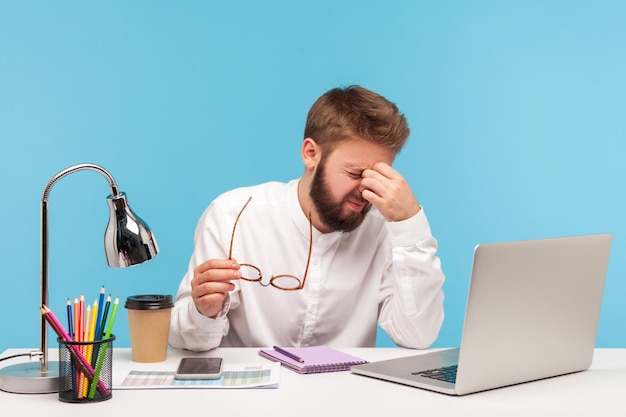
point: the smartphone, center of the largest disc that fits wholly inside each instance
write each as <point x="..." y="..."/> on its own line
<point x="199" y="368"/>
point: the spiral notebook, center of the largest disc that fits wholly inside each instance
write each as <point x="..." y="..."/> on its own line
<point x="316" y="359"/>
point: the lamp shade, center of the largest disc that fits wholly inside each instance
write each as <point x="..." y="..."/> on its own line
<point x="128" y="240"/>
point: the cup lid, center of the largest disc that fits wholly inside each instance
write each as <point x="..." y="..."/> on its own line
<point x="149" y="302"/>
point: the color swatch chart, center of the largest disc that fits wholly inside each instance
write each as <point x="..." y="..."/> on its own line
<point x="236" y="376"/>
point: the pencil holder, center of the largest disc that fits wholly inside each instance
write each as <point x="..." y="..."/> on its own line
<point x="85" y="370"/>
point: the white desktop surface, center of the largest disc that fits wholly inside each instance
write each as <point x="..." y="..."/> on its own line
<point x="598" y="391"/>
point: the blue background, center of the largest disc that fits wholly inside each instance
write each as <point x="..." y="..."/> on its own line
<point x="517" y="111"/>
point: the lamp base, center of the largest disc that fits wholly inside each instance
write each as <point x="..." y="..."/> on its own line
<point x="28" y="378"/>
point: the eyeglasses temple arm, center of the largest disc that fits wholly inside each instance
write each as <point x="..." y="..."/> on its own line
<point x="306" y="270"/>
<point x="232" y="237"/>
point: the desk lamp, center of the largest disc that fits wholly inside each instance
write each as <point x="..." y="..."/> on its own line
<point x="127" y="241"/>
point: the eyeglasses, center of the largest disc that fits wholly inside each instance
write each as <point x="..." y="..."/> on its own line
<point x="282" y="282"/>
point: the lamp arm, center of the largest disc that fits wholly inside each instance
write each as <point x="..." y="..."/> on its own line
<point x="79" y="167"/>
<point x="44" y="244"/>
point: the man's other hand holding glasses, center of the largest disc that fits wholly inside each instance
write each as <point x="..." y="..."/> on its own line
<point x="212" y="280"/>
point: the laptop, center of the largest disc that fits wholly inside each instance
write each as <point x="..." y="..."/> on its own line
<point x="532" y="312"/>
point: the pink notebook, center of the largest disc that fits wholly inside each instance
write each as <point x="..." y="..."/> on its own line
<point x="316" y="359"/>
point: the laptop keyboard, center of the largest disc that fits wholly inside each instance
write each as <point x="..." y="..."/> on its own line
<point x="447" y="373"/>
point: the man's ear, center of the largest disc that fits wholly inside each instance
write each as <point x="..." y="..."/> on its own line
<point x="311" y="153"/>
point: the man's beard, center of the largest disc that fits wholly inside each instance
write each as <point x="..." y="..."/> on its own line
<point x="331" y="213"/>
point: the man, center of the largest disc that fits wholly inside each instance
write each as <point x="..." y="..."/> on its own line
<point x="321" y="259"/>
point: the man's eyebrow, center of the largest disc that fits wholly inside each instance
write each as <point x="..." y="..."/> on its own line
<point x="356" y="167"/>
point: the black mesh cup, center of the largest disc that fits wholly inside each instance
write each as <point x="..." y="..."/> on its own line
<point x="85" y="370"/>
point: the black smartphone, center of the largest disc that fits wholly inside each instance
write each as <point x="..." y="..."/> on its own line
<point x="199" y="368"/>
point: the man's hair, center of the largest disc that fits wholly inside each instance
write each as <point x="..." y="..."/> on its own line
<point x="356" y="111"/>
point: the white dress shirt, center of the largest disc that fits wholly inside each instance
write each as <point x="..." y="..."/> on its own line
<point x="382" y="272"/>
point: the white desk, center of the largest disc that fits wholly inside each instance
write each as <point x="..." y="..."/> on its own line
<point x="599" y="391"/>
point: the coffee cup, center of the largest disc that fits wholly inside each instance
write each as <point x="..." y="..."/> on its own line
<point x="149" y="323"/>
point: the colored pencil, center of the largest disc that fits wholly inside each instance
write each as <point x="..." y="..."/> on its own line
<point x="76" y="377"/>
<point x="102" y="352"/>
<point x="85" y="350"/>
<point x="94" y="320"/>
<point x="104" y="318"/>
<point x="81" y="338"/>
<point x="99" y="317"/>
<point x="90" y="320"/>
<point x="70" y="319"/>
<point x="288" y="354"/>
<point x="101" y="326"/>
<point x="74" y="335"/>
<point x="112" y="320"/>
<point x="87" y="323"/>
<point x="70" y="332"/>
<point x="81" y="318"/>
<point x="92" y="325"/>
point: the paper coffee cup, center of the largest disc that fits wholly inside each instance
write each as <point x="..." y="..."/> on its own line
<point x="149" y="323"/>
